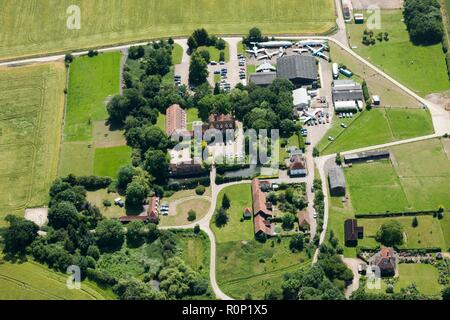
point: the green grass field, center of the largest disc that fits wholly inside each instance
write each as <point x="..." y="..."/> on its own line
<point x="252" y="267"/>
<point x="425" y="277"/>
<point x="427" y="234"/>
<point x="177" y="54"/>
<point x="32" y="281"/>
<point x="235" y="229"/>
<point x="92" y="82"/>
<point x="107" y="161"/>
<point x="31" y="112"/>
<point x="390" y="94"/>
<point x="90" y="146"/>
<point x="40" y="27"/>
<point x="377" y="126"/>
<point x="421" y="68"/>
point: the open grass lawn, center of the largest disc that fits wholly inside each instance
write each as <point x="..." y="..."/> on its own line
<point x="200" y="206"/>
<point x="424" y="172"/>
<point x="107" y="161"/>
<point x="92" y="82"/>
<point x="96" y="198"/>
<point x="161" y="123"/>
<point x="177" y="54"/>
<point x="421" y="68"/>
<point x="375" y="187"/>
<point x="378" y="126"/>
<point x="41" y="27"/>
<point x="90" y="145"/>
<point x="235" y="230"/>
<point x="336" y="130"/>
<point x="185" y="194"/>
<point x="338" y="213"/>
<point x="253" y="267"/>
<point x="390" y="94"/>
<point x="215" y="53"/>
<point x="31" y="113"/>
<point x="191" y="116"/>
<point x="32" y="281"/>
<point x="427" y="234"/>
<point x="195" y="250"/>
<point x="425" y="276"/>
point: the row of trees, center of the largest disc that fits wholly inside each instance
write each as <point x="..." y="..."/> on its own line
<point x="201" y="38"/>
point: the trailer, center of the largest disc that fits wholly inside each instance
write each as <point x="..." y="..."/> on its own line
<point x="346" y="72"/>
<point x="335" y="71"/>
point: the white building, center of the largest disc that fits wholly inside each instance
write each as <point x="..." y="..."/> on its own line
<point x="301" y="99"/>
<point x="344" y="106"/>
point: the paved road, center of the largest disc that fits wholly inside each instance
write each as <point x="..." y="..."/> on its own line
<point x="341" y="34"/>
<point x="182" y="69"/>
<point x="352" y="264"/>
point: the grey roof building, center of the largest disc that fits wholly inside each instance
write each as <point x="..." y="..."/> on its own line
<point x="336" y="179"/>
<point x="367" y="156"/>
<point x="347" y="90"/>
<point x="263" y="78"/>
<point x="300" y="70"/>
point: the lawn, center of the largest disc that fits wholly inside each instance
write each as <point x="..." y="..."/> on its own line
<point x="377" y="126"/>
<point x="195" y="251"/>
<point x="200" y="206"/>
<point x="421" y="68"/>
<point x="40" y="29"/>
<point x="92" y="82"/>
<point x="32" y="281"/>
<point x="390" y="94"/>
<point x="214" y="53"/>
<point x="252" y="267"/>
<point x="177" y="54"/>
<point x="191" y="116"/>
<point x="375" y="187"/>
<point x="235" y="230"/>
<point x="426" y="235"/>
<point x="90" y="145"/>
<point x="96" y="198"/>
<point x="107" y="161"/>
<point x="161" y="122"/>
<point x="31" y="113"/>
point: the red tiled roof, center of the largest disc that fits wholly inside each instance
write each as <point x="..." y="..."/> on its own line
<point x="303" y="219"/>
<point x="175" y="119"/>
<point x="259" y="199"/>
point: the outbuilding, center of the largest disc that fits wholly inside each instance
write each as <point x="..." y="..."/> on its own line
<point x="336" y="179"/>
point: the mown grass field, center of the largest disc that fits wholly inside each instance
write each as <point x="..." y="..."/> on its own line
<point x="235" y="230"/>
<point x="90" y="146"/>
<point x="32" y="281"/>
<point x="424" y="276"/>
<point x="377" y="126"/>
<point x="199" y="205"/>
<point x="427" y="234"/>
<point x="421" y="68"/>
<point x="30" y="28"/>
<point x="31" y="113"/>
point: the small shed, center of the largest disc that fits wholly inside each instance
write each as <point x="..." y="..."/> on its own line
<point x="247" y="213"/>
<point x="359" y="18"/>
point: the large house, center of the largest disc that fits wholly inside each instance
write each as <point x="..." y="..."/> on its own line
<point x="386" y="260"/>
<point x="336" y="179"/>
<point x="262" y="211"/>
<point x="175" y="120"/>
<point x="352" y="232"/>
<point x="297" y="167"/>
<point x="150" y="216"/>
<point x="221" y="122"/>
<point x="186" y="170"/>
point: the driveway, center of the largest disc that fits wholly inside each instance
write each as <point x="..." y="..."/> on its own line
<point x="352" y="264"/>
<point x="182" y="69"/>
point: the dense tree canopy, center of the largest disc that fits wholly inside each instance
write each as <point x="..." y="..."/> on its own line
<point x="390" y="234"/>
<point x="19" y="235"/>
<point x="110" y="235"/>
<point x="424" y="21"/>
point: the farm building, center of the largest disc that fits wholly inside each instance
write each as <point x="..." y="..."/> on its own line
<point x="347" y="90"/>
<point x="301" y="99"/>
<point x="297" y="167"/>
<point x="337" y="182"/>
<point x="300" y="70"/>
<point x="262" y="211"/>
<point x="303" y="221"/>
<point x="263" y="79"/>
<point x="352" y="232"/>
<point x="345" y="106"/>
<point x="175" y="119"/>
<point x="367" y="156"/>
<point x="386" y="260"/>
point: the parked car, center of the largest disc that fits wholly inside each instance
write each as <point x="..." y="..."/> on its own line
<point x="213" y="63"/>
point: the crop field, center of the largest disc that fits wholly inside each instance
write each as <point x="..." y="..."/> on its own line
<point x="416" y="179"/>
<point x="427" y="234"/>
<point x="252" y="267"/>
<point x="377" y="126"/>
<point x="90" y="146"/>
<point x="421" y="68"/>
<point x="39" y="27"/>
<point x="31" y="112"/>
<point x="32" y="281"/>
